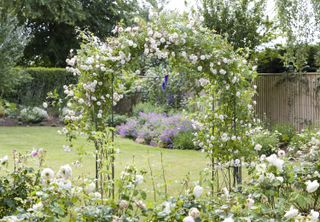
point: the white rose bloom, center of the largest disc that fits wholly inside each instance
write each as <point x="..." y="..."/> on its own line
<point x="90" y="188"/>
<point x="81" y="101"/>
<point x="280" y="179"/>
<point x="257" y="147"/>
<point x="228" y="219"/>
<point x="65" y="171"/>
<point x="281" y="153"/>
<point x="312" y="186"/>
<point x="45" y="105"/>
<point x="250" y="203"/>
<point x="226" y="192"/>
<point x="199" y="68"/>
<point x="4" y="160"/>
<point x="47" y="173"/>
<point x="275" y="161"/>
<point x="194" y="213"/>
<point x="314" y="216"/>
<point x="188" y="219"/>
<point x="139" y="179"/>
<point x="291" y="213"/>
<point x="197" y="191"/>
<point x="222" y="71"/>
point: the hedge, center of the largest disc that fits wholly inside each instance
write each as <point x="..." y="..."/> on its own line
<point x="43" y="80"/>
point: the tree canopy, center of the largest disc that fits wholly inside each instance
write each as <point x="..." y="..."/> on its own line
<point x="53" y="24"/>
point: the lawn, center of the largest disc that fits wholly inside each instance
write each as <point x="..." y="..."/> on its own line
<point x="177" y="163"/>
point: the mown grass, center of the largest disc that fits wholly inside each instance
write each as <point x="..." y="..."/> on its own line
<point x="177" y="163"/>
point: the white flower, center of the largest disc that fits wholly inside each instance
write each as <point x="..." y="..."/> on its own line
<point x="4" y="160"/>
<point x="188" y="219"/>
<point x="197" y="191"/>
<point x="123" y="204"/>
<point x="66" y="148"/>
<point x="199" y="68"/>
<point x="314" y="216"/>
<point x="139" y="179"/>
<point x="47" y="174"/>
<point x="194" y="213"/>
<point x="37" y="206"/>
<point x="228" y="219"/>
<point x="65" y="171"/>
<point x="81" y="101"/>
<point x="167" y="207"/>
<point x="250" y="203"/>
<point x="312" y="186"/>
<point x="281" y="153"/>
<point x="226" y="192"/>
<point x="222" y="71"/>
<point x="45" y="105"/>
<point x="263" y="157"/>
<point x="291" y="213"/>
<point x="90" y="188"/>
<point x="275" y="161"/>
<point x="257" y="147"/>
<point x="280" y="179"/>
<point x="141" y="204"/>
<point x="99" y="115"/>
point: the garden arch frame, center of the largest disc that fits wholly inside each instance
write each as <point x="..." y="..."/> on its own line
<point x="201" y="56"/>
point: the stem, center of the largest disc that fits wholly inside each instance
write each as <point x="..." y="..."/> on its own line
<point x="164" y="177"/>
<point x="112" y="152"/>
<point x="152" y="179"/>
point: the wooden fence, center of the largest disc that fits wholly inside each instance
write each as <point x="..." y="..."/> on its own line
<point x="289" y="98"/>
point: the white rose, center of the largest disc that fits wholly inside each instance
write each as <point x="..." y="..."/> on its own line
<point x="291" y="213"/>
<point x="194" y="213"/>
<point x="90" y="188"/>
<point x="275" y="161"/>
<point x="312" y="186"/>
<point x="47" y="173"/>
<point x="65" y="172"/>
<point x="257" y="147"/>
<point x="197" y="191"/>
<point x="139" y="179"/>
<point x="314" y="216"/>
<point x="188" y="219"/>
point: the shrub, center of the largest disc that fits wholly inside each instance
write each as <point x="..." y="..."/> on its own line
<point x="2" y="110"/>
<point x="146" y="107"/>
<point x="269" y="142"/>
<point x="34" y="91"/>
<point x="184" y="140"/>
<point x="285" y="132"/>
<point x="117" y="120"/>
<point x="155" y="128"/>
<point x="33" y="115"/>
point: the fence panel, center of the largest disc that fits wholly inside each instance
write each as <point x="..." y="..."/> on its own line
<point x="284" y="98"/>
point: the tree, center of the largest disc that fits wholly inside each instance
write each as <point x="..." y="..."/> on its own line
<point x="53" y="24"/>
<point x="13" y="39"/>
<point x="299" y="22"/>
<point x="242" y="22"/>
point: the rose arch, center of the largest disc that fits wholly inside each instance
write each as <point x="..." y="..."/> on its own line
<point x="201" y="57"/>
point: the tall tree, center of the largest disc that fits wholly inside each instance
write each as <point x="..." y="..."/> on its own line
<point x="13" y="39"/>
<point x="53" y="24"/>
<point x="242" y="22"/>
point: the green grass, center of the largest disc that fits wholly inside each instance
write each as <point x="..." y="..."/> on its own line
<point x="177" y="163"/>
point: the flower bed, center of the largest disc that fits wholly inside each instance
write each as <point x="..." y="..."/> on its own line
<point x="156" y="129"/>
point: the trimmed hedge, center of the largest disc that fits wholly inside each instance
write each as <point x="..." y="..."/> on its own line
<point x="43" y="80"/>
